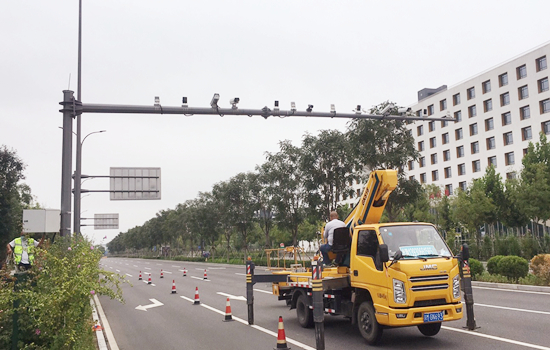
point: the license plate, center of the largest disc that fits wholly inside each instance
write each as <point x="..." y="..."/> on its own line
<point x="433" y="316"/>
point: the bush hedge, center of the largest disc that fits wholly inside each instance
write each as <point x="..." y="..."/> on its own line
<point x="513" y="267"/>
<point x="476" y="268"/>
<point x="540" y="265"/>
<point x="492" y="264"/>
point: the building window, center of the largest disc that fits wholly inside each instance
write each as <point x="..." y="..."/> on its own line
<point x="433" y="143"/>
<point x="489" y="124"/>
<point x="488" y="105"/>
<point x="492" y="161"/>
<point x="447" y="172"/>
<point x="456" y="99"/>
<point x="521" y="71"/>
<point x="420" y="130"/>
<point x="423" y="178"/>
<point x="523" y="92"/>
<point x="458" y="134"/>
<point x="445" y="138"/>
<point x="435" y="175"/>
<point x="473" y="129"/>
<point x="525" y="112"/>
<point x="509" y="158"/>
<point x="545" y="126"/>
<point x="526" y="133"/>
<point x="476" y="166"/>
<point x="431" y="126"/>
<point x="462" y="169"/>
<point x="511" y="175"/>
<point x="444" y="123"/>
<point x="462" y="185"/>
<point x="433" y="158"/>
<point x="503" y="79"/>
<point x="449" y="190"/>
<point x="443" y="105"/>
<point x="460" y="151"/>
<point x="486" y="86"/>
<point x="508" y="140"/>
<point x="525" y="151"/>
<point x="543" y="84"/>
<point x="541" y="63"/>
<point x="506" y="118"/>
<point x="505" y="99"/>
<point x="491" y="143"/>
<point x="471" y="93"/>
<point x="446" y="155"/>
<point x="458" y="116"/>
<point x="430" y="109"/>
<point x="545" y="106"/>
<point x="472" y="111"/>
<point x="474" y="147"/>
<point x="422" y="162"/>
<point x="420" y="146"/>
<point x="411" y="165"/>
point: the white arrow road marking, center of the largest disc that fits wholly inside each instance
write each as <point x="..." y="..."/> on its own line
<point x="232" y="296"/>
<point x="145" y="307"/>
<point x="198" y="278"/>
<point x="129" y="275"/>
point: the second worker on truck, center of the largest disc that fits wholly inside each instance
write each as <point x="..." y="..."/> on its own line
<point x="329" y="235"/>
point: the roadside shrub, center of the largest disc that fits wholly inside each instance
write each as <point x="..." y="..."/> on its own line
<point x="487" y="277"/>
<point x="540" y="265"/>
<point x="532" y="280"/>
<point x="476" y="267"/>
<point x="513" y="267"/>
<point x="492" y="264"/>
<point x="514" y="248"/>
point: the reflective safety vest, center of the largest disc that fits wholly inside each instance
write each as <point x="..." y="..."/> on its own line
<point x="18" y="250"/>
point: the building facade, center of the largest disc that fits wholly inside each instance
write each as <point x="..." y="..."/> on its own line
<point x="497" y="112"/>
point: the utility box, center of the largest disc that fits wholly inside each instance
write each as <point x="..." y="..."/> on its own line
<point x="41" y="220"/>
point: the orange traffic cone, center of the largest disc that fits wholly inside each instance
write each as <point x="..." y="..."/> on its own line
<point x="184" y="272"/>
<point x="281" y="338"/>
<point x="228" y="316"/>
<point x="173" y="286"/>
<point x="197" y="300"/>
<point x="140" y="278"/>
<point x="205" y="275"/>
<point x="161" y="274"/>
<point x="149" y="281"/>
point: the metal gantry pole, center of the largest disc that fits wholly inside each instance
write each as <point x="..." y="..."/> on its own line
<point x="78" y="170"/>
<point x="69" y="105"/>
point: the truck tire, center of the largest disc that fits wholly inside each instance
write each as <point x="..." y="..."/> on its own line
<point x="303" y="312"/>
<point x="429" y="329"/>
<point x="369" y="328"/>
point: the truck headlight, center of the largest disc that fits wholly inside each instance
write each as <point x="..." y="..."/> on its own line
<point x="399" y="295"/>
<point x="456" y="286"/>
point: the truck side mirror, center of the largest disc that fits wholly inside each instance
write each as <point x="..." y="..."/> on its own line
<point x="465" y="252"/>
<point x="384" y="254"/>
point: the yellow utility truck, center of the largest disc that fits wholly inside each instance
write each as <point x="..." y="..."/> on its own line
<point x="386" y="275"/>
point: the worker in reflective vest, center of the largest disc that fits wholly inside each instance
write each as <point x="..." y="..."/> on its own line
<point x="23" y="250"/>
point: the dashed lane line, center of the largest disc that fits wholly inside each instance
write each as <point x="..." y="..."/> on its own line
<point x="512" y="309"/>
<point x="505" y="340"/>
<point x="202" y="279"/>
<point x="266" y="331"/>
<point x="512" y="290"/>
<point x="263" y="291"/>
<point x="129" y="275"/>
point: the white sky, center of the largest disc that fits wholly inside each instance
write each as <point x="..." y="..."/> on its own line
<point x="311" y="52"/>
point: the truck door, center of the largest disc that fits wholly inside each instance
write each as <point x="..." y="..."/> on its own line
<point x="365" y="265"/>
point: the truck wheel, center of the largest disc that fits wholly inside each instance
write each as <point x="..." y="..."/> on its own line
<point x="369" y="328"/>
<point x="429" y="329"/>
<point x="303" y="312"/>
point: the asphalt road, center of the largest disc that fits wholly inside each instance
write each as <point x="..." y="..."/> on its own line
<point x="507" y="319"/>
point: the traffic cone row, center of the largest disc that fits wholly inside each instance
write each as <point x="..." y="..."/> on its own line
<point x="281" y="338"/>
<point x="228" y="316"/>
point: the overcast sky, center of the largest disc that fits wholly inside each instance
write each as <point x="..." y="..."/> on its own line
<point x="311" y="52"/>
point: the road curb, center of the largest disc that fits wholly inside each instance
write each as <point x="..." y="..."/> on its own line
<point x="522" y="287"/>
<point x="107" y="336"/>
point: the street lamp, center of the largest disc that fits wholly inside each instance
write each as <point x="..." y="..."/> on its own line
<point x="77" y="179"/>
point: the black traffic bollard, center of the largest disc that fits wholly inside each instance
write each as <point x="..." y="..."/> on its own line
<point x="466" y="284"/>
<point x="249" y="290"/>
<point x="318" y="307"/>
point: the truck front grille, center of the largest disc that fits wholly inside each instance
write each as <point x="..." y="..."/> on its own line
<point x="432" y="302"/>
<point x="429" y="287"/>
<point x="429" y="278"/>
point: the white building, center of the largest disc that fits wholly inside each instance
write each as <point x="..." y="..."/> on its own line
<point x="499" y="112"/>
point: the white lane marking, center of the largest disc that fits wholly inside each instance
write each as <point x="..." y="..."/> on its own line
<point x="240" y="274"/>
<point x="240" y="297"/>
<point x="148" y="268"/>
<point x="151" y="283"/>
<point x="512" y="290"/>
<point x="117" y="270"/>
<point x="527" y="345"/>
<point x="111" y="267"/>
<point x="216" y="268"/>
<point x="126" y="264"/>
<point x="196" y="268"/>
<point x="106" y="327"/>
<point x="167" y="272"/>
<point x="267" y="331"/>
<point x="135" y="266"/>
<point x="129" y="275"/>
<point x="512" y="308"/>
<point x="155" y="303"/>
<point x="263" y="291"/>
<point x="175" y="266"/>
<point x="198" y="278"/>
<point x="159" y="264"/>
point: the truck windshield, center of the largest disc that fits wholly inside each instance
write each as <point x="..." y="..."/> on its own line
<point x="414" y="241"/>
